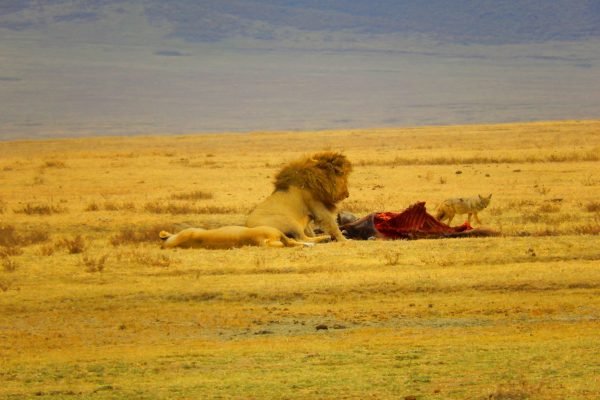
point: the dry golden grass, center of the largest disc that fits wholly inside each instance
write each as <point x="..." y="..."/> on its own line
<point x="91" y="307"/>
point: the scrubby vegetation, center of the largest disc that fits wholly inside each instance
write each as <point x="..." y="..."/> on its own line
<point x="92" y="307"/>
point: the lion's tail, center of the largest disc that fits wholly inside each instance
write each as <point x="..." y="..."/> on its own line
<point x="164" y="235"/>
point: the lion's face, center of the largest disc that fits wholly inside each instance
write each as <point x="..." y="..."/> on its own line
<point x="341" y="187"/>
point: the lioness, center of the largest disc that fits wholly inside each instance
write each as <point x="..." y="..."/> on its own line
<point x="228" y="237"/>
<point x="306" y="190"/>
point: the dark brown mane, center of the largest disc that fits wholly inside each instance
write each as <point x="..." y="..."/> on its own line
<point x="324" y="175"/>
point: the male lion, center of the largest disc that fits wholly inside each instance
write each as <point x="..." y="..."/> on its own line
<point x="228" y="237"/>
<point x="306" y="190"/>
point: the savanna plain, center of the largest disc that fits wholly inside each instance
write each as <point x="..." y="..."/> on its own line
<point x="92" y="307"/>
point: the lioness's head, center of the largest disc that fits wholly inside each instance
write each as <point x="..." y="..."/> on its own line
<point x="325" y="175"/>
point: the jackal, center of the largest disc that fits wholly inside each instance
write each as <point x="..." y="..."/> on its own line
<point x="469" y="205"/>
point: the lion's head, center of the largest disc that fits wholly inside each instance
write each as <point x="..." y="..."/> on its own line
<point x="324" y="175"/>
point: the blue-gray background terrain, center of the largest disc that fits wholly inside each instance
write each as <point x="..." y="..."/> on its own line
<point x="98" y="67"/>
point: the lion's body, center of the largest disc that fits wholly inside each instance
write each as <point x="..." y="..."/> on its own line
<point x="306" y="190"/>
<point x="228" y="237"/>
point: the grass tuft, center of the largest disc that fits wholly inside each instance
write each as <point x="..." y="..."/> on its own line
<point x="7" y="251"/>
<point x="129" y="235"/>
<point x="549" y="208"/>
<point x="516" y="391"/>
<point x="9" y="265"/>
<point x="47" y="250"/>
<point x="153" y="260"/>
<point x="195" y="195"/>
<point x="125" y="206"/>
<point x="592" y="206"/>
<point x="392" y="258"/>
<point x="156" y="207"/>
<point x="92" y="207"/>
<point x="10" y="237"/>
<point x="40" y="209"/>
<point x="75" y="245"/>
<point x="54" y="164"/>
<point x="111" y="206"/>
<point x="92" y="264"/>
<point x="589" y="229"/>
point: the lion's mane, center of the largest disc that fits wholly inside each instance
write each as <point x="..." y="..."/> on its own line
<point x="324" y="175"/>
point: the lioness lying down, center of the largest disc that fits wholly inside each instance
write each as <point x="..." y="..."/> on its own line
<point x="228" y="237"/>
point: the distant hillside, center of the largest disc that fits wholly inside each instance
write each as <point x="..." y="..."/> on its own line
<point x="465" y="21"/>
<point x="122" y="67"/>
<point x="486" y="21"/>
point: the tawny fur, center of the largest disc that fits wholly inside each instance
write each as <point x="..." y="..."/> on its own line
<point x="228" y="237"/>
<point x="306" y="190"/>
<point x="470" y="206"/>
